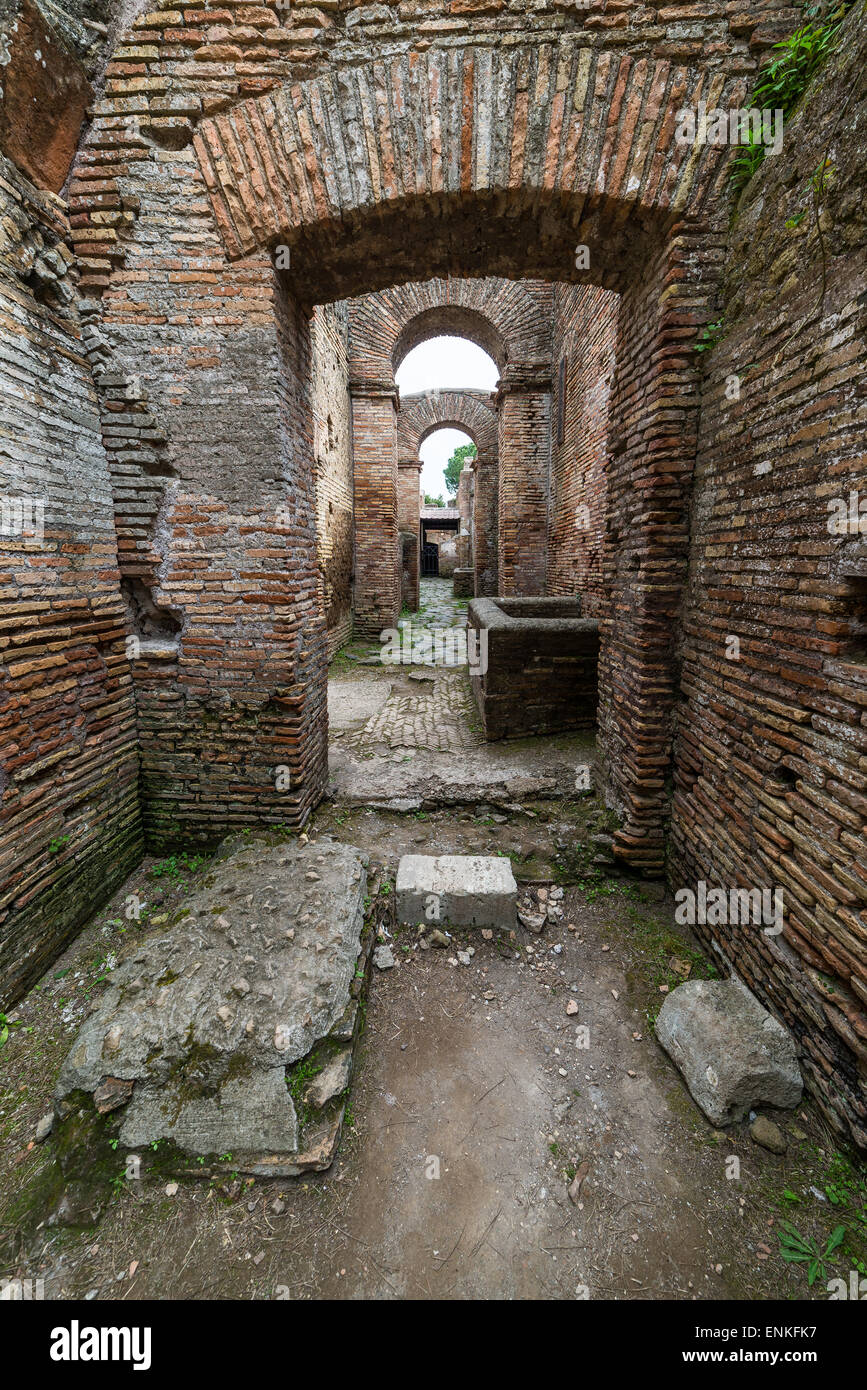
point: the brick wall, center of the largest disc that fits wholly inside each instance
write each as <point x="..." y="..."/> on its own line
<point x="408" y="506"/>
<point x="69" y="821"/>
<point x="522" y="486"/>
<point x="771" y="750"/>
<point x="465" y="507"/>
<point x="485" y="525"/>
<point x="585" y="326"/>
<point x="378" y="565"/>
<point x="215" y="139"/>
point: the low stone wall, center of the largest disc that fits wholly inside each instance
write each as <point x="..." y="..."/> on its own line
<point x="464" y="583"/>
<point x="536" y="665"/>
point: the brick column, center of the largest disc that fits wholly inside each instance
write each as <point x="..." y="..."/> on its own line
<point x="651" y="453"/>
<point x="464" y="576"/>
<point x="524" y="400"/>
<point x="408" y="478"/>
<point x="465" y="507"/>
<point x="377" y="551"/>
<point x="485" y="525"/>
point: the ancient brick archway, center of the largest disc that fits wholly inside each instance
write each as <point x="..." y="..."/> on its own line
<point x="477" y="152"/>
<point x="509" y="319"/>
<point x="474" y="412"/>
<point x="345" y="175"/>
<point x="246" y="166"/>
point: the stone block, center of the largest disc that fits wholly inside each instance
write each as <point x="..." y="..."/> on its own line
<point x="200" y="1021"/>
<point x="464" y="583"/>
<point x="457" y="890"/>
<point x="732" y="1054"/>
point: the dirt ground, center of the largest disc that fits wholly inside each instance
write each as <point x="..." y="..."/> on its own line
<point x="472" y="1108"/>
<point x="482" y="1090"/>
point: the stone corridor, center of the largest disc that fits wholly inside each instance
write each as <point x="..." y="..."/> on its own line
<point x="493" y="936"/>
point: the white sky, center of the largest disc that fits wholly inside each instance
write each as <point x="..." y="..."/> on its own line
<point x="443" y="364"/>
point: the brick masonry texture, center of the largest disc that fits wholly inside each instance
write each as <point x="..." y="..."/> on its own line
<point x="585" y="328"/>
<point x="475" y="413"/>
<point x="44" y="93"/>
<point x="459" y="153"/>
<point x="69" y="815"/>
<point x="771" y="749"/>
<point x="378" y="562"/>
<point x="511" y="321"/>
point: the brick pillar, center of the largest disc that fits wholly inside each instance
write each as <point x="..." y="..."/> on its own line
<point x="408" y="508"/>
<point x="524" y="401"/>
<point x="464" y="576"/>
<point x="651" y="453"/>
<point x="377" y="549"/>
<point x="485" y="525"/>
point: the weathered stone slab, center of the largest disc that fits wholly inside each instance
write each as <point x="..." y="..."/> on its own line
<point x="732" y="1053"/>
<point x="250" y="1108"/>
<point x="204" y="1016"/>
<point x="457" y="890"/>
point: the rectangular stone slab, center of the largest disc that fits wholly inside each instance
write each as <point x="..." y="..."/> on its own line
<point x="456" y="890"/>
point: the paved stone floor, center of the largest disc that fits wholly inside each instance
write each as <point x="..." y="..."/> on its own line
<point x="395" y="728"/>
<point x="429" y="705"/>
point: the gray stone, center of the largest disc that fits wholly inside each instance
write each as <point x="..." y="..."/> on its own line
<point x="332" y="1080"/>
<point x="254" y="1112"/>
<point x="457" y="890"/>
<point x="44" y="1127"/>
<point x="205" y="1013"/>
<point x="352" y="703"/>
<point x="533" y="921"/>
<point x="383" y="958"/>
<point x="764" y="1132"/>
<point x="732" y="1053"/>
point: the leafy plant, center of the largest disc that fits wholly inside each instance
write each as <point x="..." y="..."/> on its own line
<point x="709" y="337"/>
<point x="464" y="453"/>
<point x="798" y="1249"/>
<point x="172" y="867"/>
<point x="783" y="82"/>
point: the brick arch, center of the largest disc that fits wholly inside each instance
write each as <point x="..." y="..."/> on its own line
<point x="508" y="319"/>
<point x="459" y="156"/>
<point x="470" y="159"/>
<point x="451" y="321"/>
<point x="446" y="425"/>
<point x="477" y="414"/>
<point x="423" y="413"/>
